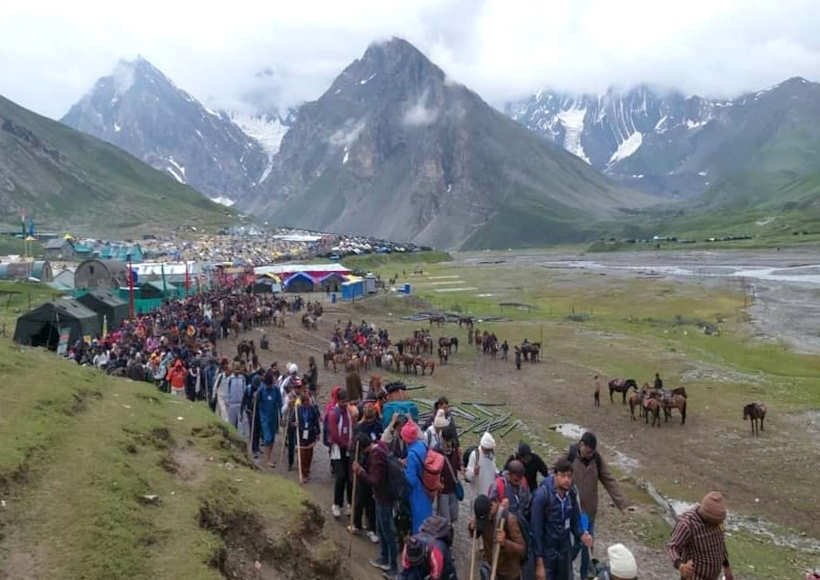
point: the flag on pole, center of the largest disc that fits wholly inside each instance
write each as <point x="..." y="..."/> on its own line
<point x="187" y="279"/>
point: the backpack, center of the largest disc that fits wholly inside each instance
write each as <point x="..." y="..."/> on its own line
<point x="435" y="531"/>
<point x="523" y="520"/>
<point x="431" y="473"/>
<point x="326" y="430"/>
<point x="524" y="524"/>
<point x="396" y="480"/>
<point x="572" y="454"/>
<point x="465" y="457"/>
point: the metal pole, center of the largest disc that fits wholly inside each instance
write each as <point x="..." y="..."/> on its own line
<point x="130" y="288"/>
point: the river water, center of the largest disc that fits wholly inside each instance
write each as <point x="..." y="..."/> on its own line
<point x="783" y="286"/>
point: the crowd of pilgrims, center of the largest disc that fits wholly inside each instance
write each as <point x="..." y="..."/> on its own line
<point x="401" y="478"/>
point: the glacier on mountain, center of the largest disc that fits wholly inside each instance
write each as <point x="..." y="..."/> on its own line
<point x="573" y="123"/>
<point x="627" y="148"/>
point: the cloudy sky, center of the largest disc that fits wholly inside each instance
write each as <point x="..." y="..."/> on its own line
<point x="284" y="52"/>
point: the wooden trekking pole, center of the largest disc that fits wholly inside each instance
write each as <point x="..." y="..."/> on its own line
<point x="253" y="425"/>
<point x="497" y="548"/>
<point x="285" y="436"/>
<point x="298" y="446"/>
<point x="473" y="552"/>
<point x="353" y="504"/>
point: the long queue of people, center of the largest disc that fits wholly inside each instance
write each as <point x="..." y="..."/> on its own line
<point x="401" y="482"/>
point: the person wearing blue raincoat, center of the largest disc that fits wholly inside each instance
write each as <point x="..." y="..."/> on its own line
<point x="269" y="405"/>
<point x="421" y="506"/>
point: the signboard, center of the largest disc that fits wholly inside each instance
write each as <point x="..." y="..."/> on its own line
<point x="62" y="345"/>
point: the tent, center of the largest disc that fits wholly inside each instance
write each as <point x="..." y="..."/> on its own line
<point x="299" y="282"/>
<point x="101" y="274"/>
<point x="265" y="285"/>
<point x="332" y="282"/>
<point x="106" y="303"/>
<point x="156" y="289"/>
<point x="41" y="326"/>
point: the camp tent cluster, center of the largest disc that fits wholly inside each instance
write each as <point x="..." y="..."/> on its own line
<point x="307" y="277"/>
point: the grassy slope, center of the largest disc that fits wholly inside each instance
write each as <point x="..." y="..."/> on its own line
<point x="94" y="184"/>
<point x="373" y="261"/>
<point x="654" y="325"/>
<point x="80" y="449"/>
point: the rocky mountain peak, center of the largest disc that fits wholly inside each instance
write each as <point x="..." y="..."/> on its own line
<point x="140" y="110"/>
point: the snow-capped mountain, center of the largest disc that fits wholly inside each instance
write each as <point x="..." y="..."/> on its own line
<point x="138" y="109"/>
<point x="642" y="137"/>
<point x="267" y="129"/>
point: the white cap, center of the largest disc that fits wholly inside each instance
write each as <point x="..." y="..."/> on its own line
<point x="292" y="369"/>
<point x="487" y="441"/>
<point x="621" y="562"/>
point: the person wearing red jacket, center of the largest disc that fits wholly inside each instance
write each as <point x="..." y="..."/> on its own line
<point x="177" y="376"/>
<point x="340" y="437"/>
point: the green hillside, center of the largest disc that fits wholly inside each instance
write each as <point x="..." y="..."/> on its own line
<point x="66" y="179"/>
<point x="105" y="478"/>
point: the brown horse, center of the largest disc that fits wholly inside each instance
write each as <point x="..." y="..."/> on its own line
<point x="652" y="406"/>
<point x="424" y="364"/>
<point x="755" y="412"/>
<point x="674" y="399"/>
<point x="636" y="401"/>
<point x="443" y="355"/>
<point x="621" y="386"/>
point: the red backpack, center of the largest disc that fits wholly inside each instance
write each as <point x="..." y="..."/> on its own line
<point x="431" y="474"/>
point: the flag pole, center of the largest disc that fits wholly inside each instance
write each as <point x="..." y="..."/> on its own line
<point x="130" y="288"/>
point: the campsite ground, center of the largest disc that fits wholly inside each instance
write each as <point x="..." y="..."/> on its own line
<point x="608" y="322"/>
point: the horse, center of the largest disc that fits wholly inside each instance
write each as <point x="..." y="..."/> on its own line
<point x="424" y="364"/>
<point x="531" y="351"/>
<point x="636" y="399"/>
<point x="309" y="322"/>
<point x="674" y="399"/>
<point x="449" y="343"/>
<point x="621" y="386"/>
<point x="652" y="406"/>
<point x="443" y="355"/>
<point x="439" y="319"/>
<point x="468" y="320"/>
<point x="755" y="412"/>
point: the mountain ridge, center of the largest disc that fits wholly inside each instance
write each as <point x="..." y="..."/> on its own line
<point x="394" y="132"/>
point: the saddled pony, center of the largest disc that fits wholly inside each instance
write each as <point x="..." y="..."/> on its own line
<point x="674" y="399"/>
<point x="621" y="386"/>
<point x="755" y="412"/>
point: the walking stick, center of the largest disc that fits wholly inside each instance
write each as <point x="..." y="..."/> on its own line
<point x="353" y="504"/>
<point x="298" y="446"/>
<point x="473" y="552"/>
<point x="496" y="549"/>
<point x="285" y="437"/>
<point x="253" y="425"/>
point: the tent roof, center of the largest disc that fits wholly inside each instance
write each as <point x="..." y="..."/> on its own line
<point x="157" y="284"/>
<point x="107" y="297"/>
<point x="68" y="307"/>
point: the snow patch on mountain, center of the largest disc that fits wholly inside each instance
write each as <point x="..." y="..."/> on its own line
<point x="269" y="132"/>
<point x="627" y="147"/>
<point x="573" y="123"/>
<point x="221" y="200"/>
